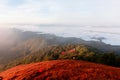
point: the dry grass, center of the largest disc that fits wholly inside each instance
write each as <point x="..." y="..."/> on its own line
<point x="62" y="70"/>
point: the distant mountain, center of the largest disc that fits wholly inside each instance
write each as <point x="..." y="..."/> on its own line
<point x="62" y="70"/>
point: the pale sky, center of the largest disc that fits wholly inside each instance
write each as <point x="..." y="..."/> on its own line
<point x="77" y="12"/>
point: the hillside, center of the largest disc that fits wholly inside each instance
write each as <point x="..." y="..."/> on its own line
<point x="25" y="47"/>
<point x="17" y="43"/>
<point x="70" y="51"/>
<point x="62" y="70"/>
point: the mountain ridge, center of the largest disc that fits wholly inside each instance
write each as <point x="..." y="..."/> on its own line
<point x="27" y="43"/>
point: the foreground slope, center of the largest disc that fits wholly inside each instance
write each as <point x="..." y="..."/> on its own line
<point x="62" y="70"/>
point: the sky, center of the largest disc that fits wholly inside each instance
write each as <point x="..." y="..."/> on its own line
<point x="68" y="12"/>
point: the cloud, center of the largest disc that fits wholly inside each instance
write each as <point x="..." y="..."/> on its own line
<point x="79" y="12"/>
<point x="32" y="11"/>
<point x="111" y="34"/>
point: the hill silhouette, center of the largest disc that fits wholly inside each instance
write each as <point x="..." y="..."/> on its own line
<point x="62" y="70"/>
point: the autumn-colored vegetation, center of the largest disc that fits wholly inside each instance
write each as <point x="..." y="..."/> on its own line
<point x="62" y="70"/>
<point x="70" y="51"/>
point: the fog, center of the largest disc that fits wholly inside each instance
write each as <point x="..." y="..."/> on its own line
<point x="8" y="38"/>
<point x="111" y="34"/>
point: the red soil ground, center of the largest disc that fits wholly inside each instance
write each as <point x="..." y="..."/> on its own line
<point x="62" y="70"/>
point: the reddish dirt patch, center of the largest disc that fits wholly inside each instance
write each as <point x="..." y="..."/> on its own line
<point x="62" y="70"/>
<point x="70" y="51"/>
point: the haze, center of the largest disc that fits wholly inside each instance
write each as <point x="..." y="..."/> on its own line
<point x="67" y="18"/>
<point x="78" y="12"/>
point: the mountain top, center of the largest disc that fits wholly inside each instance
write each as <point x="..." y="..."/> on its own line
<point x="62" y="70"/>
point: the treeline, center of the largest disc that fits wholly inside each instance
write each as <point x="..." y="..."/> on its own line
<point x="69" y="51"/>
